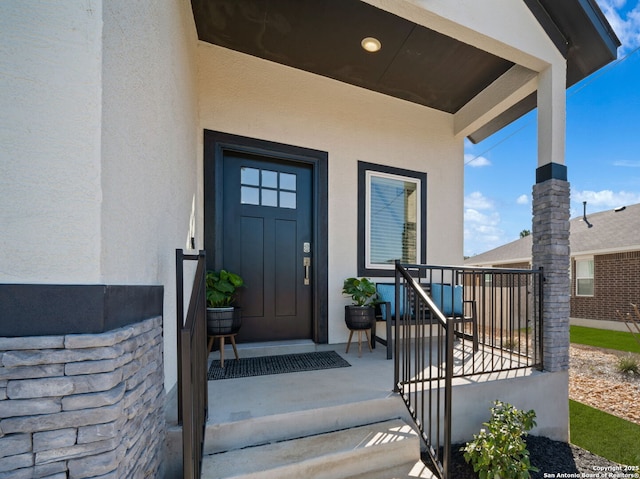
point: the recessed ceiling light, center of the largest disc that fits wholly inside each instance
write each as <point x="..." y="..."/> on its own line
<point x="371" y="44"/>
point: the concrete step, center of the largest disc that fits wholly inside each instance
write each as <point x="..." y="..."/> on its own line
<point x="409" y="470"/>
<point x="347" y="453"/>
<point x="254" y="431"/>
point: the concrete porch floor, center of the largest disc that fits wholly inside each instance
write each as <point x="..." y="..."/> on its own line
<point x="269" y="409"/>
<point x="369" y="377"/>
<point x="274" y="408"/>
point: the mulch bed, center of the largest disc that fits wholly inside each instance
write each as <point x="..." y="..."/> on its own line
<point x="550" y="457"/>
<point x="593" y="380"/>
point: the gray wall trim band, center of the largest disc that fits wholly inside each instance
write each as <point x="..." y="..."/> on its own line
<point x="51" y="309"/>
<point x="551" y="171"/>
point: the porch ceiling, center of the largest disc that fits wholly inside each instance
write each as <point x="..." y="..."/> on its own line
<point x="415" y="63"/>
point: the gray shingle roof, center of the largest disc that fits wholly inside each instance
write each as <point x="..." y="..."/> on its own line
<point x="612" y="231"/>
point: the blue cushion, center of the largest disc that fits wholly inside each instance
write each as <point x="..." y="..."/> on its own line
<point x="387" y="293"/>
<point x="443" y="297"/>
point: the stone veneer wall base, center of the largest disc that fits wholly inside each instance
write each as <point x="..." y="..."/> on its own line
<point x="551" y="252"/>
<point x="83" y="405"/>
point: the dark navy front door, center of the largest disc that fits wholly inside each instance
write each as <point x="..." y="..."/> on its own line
<point x="267" y="233"/>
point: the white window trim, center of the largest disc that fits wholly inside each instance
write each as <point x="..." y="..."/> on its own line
<point x="367" y="242"/>
<point x="593" y="278"/>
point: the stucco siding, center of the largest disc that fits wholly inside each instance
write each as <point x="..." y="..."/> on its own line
<point x="149" y="146"/>
<point x="101" y="141"/>
<point x="50" y="59"/>
<point x="99" y="146"/>
<point x="247" y="96"/>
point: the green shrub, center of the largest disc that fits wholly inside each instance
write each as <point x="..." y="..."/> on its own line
<point x="628" y="365"/>
<point x="499" y="451"/>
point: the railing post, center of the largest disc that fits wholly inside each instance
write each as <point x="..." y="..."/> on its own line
<point x="448" y="390"/>
<point x="396" y="343"/>
<point x="179" y="319"/>
<point x="192" y="370"/>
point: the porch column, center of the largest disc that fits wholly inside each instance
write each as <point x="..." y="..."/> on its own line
<point x="551" y="217"/>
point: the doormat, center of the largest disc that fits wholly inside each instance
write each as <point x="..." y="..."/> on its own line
<point x="285" y="363"/>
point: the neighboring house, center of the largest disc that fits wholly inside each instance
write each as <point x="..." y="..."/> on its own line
<point x="130" y="129"/>
<point x="605" y="262"/>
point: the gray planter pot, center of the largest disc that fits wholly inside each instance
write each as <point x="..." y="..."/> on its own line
<point x="223" y="321"/>
<point x="359" y="317"/>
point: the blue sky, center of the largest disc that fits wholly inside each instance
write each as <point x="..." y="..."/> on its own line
<point x="602" y="148"/>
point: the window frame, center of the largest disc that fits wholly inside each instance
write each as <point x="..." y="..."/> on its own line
<point x="365" y="172"/>
<point x="578" y="277"/>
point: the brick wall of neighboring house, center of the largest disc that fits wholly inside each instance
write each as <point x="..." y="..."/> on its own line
<point x="616" y="284"/>
<point x="83" y="405"/>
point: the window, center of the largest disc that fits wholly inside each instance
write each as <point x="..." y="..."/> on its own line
<point x="267" y="188"/>
<point x="391" y="207"/>
<point x="584" y="277"/>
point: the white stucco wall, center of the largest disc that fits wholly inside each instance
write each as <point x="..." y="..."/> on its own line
<point x="50" y="119"/>
<point x="101" y="145"/>
<point x="247" y="96"/>
<point x="149" y="147"/>
<point x="98" y="144"/>
<point x="544" y="392"/>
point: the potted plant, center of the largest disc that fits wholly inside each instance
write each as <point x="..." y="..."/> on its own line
<point x="222" y="317"/>
<point x="361" y="314"/>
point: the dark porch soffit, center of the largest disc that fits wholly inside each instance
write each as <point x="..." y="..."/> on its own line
<point x="415" y="64"/>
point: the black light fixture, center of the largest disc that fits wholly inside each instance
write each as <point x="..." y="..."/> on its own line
<point x="584" y="214"/>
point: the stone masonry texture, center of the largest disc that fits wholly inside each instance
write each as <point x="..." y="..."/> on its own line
<point x="83" y="406"/>
<point x="551" y="252"/>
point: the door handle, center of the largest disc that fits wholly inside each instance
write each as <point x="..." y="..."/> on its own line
<point x="306" y="262"/>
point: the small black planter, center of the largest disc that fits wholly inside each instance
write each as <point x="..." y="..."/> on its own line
<point x="359" y="317"/>
<point x="223" y="321"/>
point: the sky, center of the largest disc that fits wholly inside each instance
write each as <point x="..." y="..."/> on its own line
<point x="602" y="148"/>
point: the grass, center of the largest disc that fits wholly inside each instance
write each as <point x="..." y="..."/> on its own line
<point x="597" y="431"/>
<point x="602" y="338"/>
<point x="605" y="435"/>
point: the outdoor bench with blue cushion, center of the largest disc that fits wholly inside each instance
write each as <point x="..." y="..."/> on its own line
<point x="449" y="302"/>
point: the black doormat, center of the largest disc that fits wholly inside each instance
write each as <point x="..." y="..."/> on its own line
<point x="285" y="363"/>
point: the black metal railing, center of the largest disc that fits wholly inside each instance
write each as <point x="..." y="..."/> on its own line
<point x="192" y="364"/>
<point x="456" y="322"/>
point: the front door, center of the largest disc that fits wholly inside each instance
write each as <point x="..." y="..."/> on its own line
<point x="267" y="232"/>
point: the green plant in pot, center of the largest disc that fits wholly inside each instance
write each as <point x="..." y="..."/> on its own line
<point x="222" y="317"/>
<point x="360" y="314"/>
